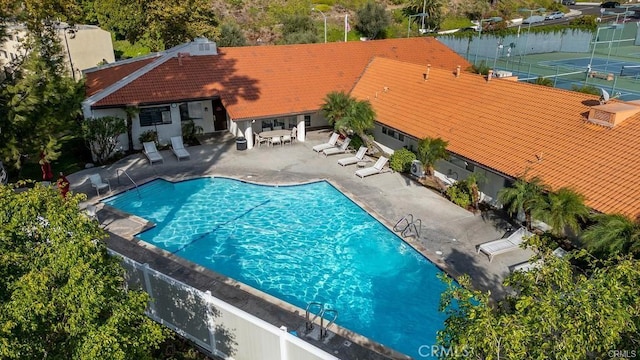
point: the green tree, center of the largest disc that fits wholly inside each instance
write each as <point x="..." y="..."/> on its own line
<point x="298" y="29"/>
<point x="61" y="295"/>
<point x="562" y="209"/>
<point x="372" y="19"/>
<point x="101" y="135"/>
<point x="38" y="101"/>
<point x="524" y="195"/>
<point x="335" y="106"/>
<point x="432" y="8"/>
<point x="155" y="23"/>
<point x="554" y="313"/>
<point x="431" y="150"/>
<point x="612" y="235"/>
<point x="543" y="81"/>
<point x="231" y="35"/>
<point x="350" y="116"/>
<point x="131" y="112"/>
<point x="586" y="89"/>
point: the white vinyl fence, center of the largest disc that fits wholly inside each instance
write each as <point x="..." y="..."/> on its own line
<point x="221" y="329"/>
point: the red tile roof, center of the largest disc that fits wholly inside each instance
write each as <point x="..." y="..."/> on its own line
<point x="512" y="128"/>
<point x="264" y="81"/>
<point x="98" y="80"/>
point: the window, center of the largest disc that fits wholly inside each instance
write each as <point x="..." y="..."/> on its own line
<point x="384" y="130"/>
<point x="278" y="123"/>
<point x="155" y="116"/>
<point x="401" y="137"/>
<point x="307" y="120"/>
<point x="391" y="133"/>
<point x="195" y="110"/>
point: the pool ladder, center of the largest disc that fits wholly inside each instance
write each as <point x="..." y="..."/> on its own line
<point x="322" y="312"/>
<point x="120" y="171"/>
<point x="407" y="226"/>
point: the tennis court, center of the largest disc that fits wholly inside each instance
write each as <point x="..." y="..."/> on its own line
<point x="597" y="64"/>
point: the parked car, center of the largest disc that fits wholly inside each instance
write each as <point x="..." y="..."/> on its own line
<point x="533" y="19"/>
<point x="555" y="15"/>
<point x="568" y="2"/>
<point x="610" y="4"/>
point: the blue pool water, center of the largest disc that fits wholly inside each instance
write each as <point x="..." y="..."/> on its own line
<point x="300" y="244"/>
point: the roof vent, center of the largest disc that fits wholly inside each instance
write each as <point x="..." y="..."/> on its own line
<point x="612" y="114"/>
<point x="203" y="46"/>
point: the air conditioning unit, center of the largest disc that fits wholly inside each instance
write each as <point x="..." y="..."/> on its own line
<point x="417" y="169"/>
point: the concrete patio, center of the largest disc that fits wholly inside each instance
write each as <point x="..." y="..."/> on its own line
<point x="449" y="235"/>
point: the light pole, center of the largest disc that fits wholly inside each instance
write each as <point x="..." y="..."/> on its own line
<point x="475" y="60"/>
<point x="526" y="41"/>
<point x="325" y="22"/>
<point x="423" y="15"/>
<point x="72" y="34"/>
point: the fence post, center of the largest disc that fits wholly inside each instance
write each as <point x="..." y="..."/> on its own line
<point x="211" y="326"/>
<point x="147" y="285"/>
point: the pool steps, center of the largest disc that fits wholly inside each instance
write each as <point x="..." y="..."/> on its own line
<point x="407" y="226"/>
<point x="322" y="311"/>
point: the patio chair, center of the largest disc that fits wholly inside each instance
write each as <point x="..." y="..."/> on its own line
<point x="332" y="143"/>
<point x="91" y="211"/>
<point x="177" y="146"/>
<point x="286" y="139"/>
<point x="337" y="150"/>
<point x="501" y="246"/>
<point x="294" y="134"/>
<point x="275" y="140"/>
<point x="151" y="152"/>
<point x="354" y="159"/>
<point x="375" y="169"/>
<point x="260" y="140"/>
<point x="98" y="183"/>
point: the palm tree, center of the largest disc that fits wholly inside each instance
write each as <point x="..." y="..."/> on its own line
<point x="131" y="111"/>
<point x="525" y="196"/>
<point x="431" y="150"/>
<point x="561" y="209"/>
<point x="335" y="106"/>
<point x="350" y="116"/>
<point x="613" y="234"/>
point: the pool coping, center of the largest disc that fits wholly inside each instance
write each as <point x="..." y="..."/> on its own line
<point x="338" y="330"/>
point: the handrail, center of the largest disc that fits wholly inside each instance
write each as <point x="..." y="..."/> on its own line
<point x="309" y="322"/>
<point x="133" y="182"/>
<point x="335" y="316"/>
<point x="416" y="229"/>
<point x="404" y="218"/>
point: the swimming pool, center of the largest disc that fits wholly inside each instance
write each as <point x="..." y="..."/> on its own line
<point x="299" y="243"/>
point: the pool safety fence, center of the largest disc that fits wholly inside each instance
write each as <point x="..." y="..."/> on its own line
<point x="212" y="324"/>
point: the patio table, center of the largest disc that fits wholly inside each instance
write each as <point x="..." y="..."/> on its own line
<point x="274" y="133"/>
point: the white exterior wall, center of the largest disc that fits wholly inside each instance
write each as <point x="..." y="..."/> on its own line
<point x="207" y="117"/>
<point x="214" y="325"/>
<point x="86" y="46"/>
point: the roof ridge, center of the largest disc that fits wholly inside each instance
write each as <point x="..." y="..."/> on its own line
<point x="168" y="54"/>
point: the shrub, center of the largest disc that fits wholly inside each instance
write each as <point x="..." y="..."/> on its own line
<point x="356" y="141"/>
<point x="149" y="135"/>
<point x="401" y="160"/>
<point x="101" y="135"/>
<point x="459" y="194"/>
<point x="450" y="23"/>
<point x="189" y="132"/>
<point x="322" y="7"/>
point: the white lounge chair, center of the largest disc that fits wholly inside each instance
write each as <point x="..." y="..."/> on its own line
<point x="337" y="150"/>
<point x="151" y="152"/>
<point x="362" y="151"/>
<point x="98" y="183"/>
<point x="332" y="143"/>
<point x="501" y="246"/>
<point x="375" y="169"/>
<point x="177" y="146"/>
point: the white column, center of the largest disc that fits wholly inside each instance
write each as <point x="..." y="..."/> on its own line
<point x="300" y="135"/>
<point x="248" y="133"/>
